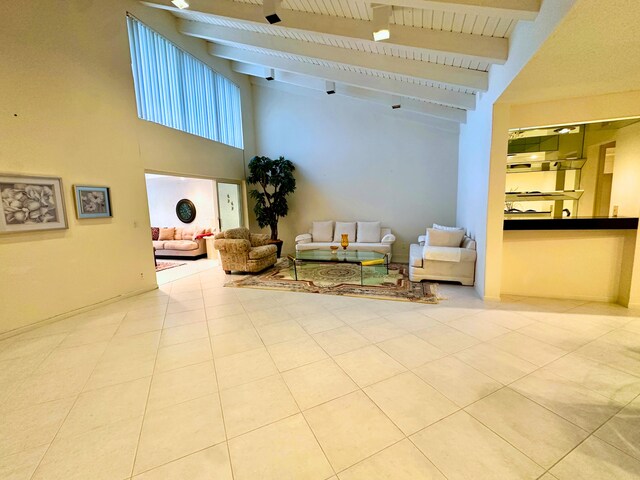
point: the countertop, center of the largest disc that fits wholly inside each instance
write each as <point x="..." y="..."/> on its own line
<point x="572" y="223"/>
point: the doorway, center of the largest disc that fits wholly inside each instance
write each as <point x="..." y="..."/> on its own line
<point x="229" y="205"/>
<point x="604" y="181"/>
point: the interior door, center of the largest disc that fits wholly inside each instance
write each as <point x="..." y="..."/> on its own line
<point x="229" y="205"/>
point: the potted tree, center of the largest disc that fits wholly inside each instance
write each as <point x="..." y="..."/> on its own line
<point x="276" y="181"/>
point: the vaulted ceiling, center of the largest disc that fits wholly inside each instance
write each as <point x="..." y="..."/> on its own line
<point x="434" y="63"/>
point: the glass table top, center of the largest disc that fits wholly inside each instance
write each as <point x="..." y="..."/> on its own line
<point x="349" y="256"/>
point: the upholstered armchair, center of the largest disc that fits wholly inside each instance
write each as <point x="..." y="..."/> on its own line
<point x="243" y="251"/>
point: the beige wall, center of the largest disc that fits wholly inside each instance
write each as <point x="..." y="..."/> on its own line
<point x="69" y="111"/>
<point x="577" y="264"/>
<point x="358" y="161"/>
<point x="578" y="110"/>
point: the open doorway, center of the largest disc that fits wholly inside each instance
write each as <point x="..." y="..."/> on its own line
<point x="604" y="181"/>
<point x="184" y="215"/>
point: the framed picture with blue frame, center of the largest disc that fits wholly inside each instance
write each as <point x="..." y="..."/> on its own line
<point x="92" y="202"/>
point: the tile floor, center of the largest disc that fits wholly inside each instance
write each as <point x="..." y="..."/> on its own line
<point x="196" y="381"/>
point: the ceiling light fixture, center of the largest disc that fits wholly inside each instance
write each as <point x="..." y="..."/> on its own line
<point x="330" y="87"/>
<point x="181" y="4"/>
<point x="270" y="74"/>
<point x="395" y="102"/>
<point x="269" y="8"/>
<point x="381" y="14"/>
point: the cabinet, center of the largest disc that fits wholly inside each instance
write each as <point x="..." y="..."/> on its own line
<point x="562" y="175"/>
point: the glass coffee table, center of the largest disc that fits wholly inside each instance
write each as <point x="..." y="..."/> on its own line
<point x="356" y="257"/>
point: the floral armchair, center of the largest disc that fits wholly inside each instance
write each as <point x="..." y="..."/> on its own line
<point x="243" y="251"/>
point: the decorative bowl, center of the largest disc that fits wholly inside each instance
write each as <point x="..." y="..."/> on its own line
<point x="334" y="248"/>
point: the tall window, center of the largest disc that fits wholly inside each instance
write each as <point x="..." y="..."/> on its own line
<point x="178" y="91"/>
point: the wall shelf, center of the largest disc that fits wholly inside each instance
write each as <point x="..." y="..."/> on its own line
<point x="545" y="165"/>
<point x="543" y="196"/>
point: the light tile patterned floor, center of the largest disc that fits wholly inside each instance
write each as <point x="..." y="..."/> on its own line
<point x="199" y="381"/>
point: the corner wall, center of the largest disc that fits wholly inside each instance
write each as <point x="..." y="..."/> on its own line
<point x="483" y="149"/>
<point x="357" y="161"/>
<point x="69" y="111"/>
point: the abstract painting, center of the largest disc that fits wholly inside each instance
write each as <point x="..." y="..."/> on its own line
<point x="31" y="203"/>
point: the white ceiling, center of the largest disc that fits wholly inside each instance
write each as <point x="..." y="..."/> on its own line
<point x="594" y="51"/>
<point x="434" y="64"/>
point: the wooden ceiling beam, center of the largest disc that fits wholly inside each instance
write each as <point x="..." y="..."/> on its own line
<point x="433" y="72"/>
<point x="441" y="96"/>
<point x="463" y="45"/>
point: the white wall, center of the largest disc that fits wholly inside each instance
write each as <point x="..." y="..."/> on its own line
<point x="164" y="193"/>
<point x="69" y="111"/>
<point x="356" y="161"/>
<point x="483" y="149"/>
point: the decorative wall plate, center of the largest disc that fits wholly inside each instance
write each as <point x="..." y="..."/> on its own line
<point x="186" y="210"/>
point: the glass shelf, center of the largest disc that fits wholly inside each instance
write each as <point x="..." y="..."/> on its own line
<point x="545" y="165"/>
<point x="543" y="196"/>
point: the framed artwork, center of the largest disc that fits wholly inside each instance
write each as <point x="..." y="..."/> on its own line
<point x="31" y="203"/>
<point x="92" y="202"/>
<point x="186" y="210"/>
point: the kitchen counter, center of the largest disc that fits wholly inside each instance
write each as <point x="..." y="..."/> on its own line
<point x="572" y="223"/>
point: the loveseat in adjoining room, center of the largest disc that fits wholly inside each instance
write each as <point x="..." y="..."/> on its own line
<point x="183" y="242"/>
<point x="363" y="236"/>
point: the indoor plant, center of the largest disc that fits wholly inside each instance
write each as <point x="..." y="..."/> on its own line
<point x="276" y="181"/>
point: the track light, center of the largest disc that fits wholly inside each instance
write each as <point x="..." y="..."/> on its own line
<point x="269" y="9"/>
<point x="270" y="74"/>
<point x="181" y="4"/>
<point x="330" y="87"/>
<point x="381" y="14"/>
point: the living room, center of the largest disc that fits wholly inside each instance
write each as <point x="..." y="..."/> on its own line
<point x="71" y="113"/>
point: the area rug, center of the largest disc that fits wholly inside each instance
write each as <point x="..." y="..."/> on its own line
<point x="342" y="279"/>
<point x="167" y="265"/>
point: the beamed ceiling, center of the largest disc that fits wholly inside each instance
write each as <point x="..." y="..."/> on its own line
<point x="434" y="63"/>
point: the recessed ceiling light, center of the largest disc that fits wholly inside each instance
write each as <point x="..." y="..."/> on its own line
<point x="181" y="4"/>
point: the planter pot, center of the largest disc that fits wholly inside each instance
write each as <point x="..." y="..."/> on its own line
<point x="278" y="244"/>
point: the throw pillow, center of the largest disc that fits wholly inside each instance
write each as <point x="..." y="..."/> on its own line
<point x="166" y="233"/>
<point x="178" y="233"/>
<point x="368" y="232"/>
<point x="322" y="231"/>
<point x="442" y="227"/>
<point x="444" y="238"/>
<point x="345" y="227"/>
<point x="155" y="233"/>
<point x="188" y="233"/>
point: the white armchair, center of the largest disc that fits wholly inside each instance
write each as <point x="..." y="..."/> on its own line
<point x="455" y="264"/>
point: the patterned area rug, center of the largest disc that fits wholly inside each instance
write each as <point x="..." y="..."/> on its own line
<point x="166" y="265"/>
<point x="342" y="279"/>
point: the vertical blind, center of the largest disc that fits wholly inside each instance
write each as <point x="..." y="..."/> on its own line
<point x="178" y="91"/>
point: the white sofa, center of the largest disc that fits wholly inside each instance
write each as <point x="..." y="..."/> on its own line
<point x="374" y="242"/>
<point x="454" y="264"/>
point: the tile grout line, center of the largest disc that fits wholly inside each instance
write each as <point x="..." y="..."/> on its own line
<point x="72" y="406"/>
<point x="592" y="434"/>
<point x="144" y="414"/>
